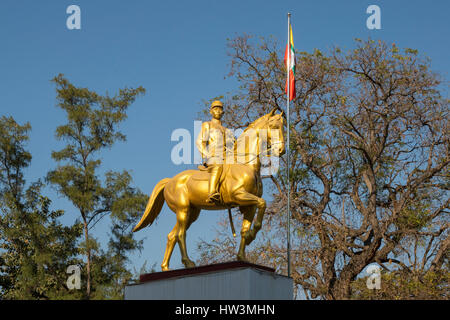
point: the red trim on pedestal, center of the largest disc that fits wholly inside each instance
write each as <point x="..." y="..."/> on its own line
<point x="202" y="269"/>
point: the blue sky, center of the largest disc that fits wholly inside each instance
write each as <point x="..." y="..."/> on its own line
<point x="177" y="51"/>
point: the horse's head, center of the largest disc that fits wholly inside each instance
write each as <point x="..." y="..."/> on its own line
<point x="262" y="135"/>
<point x="275" y="137"/>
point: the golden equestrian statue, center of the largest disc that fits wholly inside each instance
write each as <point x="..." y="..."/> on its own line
<point x="214" y="143"/>
<point x="237" y="181"/>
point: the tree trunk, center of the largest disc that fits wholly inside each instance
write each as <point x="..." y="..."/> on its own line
<point x="341" y="290"/>
<point x="88" y="260"/>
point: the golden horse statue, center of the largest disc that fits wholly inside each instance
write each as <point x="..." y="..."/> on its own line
<point x="240" y="186"/>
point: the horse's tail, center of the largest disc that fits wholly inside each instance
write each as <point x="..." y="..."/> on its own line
<point x="154" y="205"/>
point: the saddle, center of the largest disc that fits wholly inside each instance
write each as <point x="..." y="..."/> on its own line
<point x="203" y="168"/>
<point x="202" y="175"/>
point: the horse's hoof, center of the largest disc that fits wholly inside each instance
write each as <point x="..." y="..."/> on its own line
<point x="189" y="264"/>
<point x="241" y="258"/>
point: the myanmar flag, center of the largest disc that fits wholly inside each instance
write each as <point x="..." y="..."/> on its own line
<point x="291" y="67"/>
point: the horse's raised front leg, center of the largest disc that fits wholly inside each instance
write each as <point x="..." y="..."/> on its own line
<point x="258" y="221"/>
<point x="248" y="199"/>
<point x="248" y="212"/>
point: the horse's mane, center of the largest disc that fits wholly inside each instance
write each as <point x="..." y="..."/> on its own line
<point x="255" y="123"/>
<point x="258" y="123"/>
<point x="252" y="125"/>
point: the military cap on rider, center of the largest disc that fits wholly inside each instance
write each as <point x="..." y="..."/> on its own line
<point x="216" y="103"/>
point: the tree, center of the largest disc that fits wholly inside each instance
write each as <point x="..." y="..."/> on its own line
<point x="406" y="284"/>
<point x="369" y="161"/>
<point x="126" y="210"/>
<point x="91" y="127"/>
<point x="35" y="249"/>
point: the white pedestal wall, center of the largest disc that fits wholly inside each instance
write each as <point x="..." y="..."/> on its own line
<point x="234" y="284"/>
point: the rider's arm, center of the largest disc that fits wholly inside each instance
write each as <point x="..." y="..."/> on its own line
<point x="202" y="140"/>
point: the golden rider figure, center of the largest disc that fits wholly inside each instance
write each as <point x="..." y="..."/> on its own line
<point x="214" y="143"/>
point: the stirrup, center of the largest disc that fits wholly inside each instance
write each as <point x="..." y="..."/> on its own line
<point x="214" y="197"/>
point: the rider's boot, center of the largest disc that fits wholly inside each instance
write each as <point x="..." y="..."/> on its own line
<point x="214" y="196"/>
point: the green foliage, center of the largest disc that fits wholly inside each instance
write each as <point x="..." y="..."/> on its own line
<point x="35" y="249"/>
<point x="398" y="285"/>
<point x="92" y="126"/>
<point x="14" y="158"/>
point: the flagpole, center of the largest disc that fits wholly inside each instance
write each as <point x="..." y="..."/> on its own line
<point x="288" y="155"/>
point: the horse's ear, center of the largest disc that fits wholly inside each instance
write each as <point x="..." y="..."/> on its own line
<point x="282" y="114"/>
<point x="272" y="113"/>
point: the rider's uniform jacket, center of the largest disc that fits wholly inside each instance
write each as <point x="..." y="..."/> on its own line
<point x="219" y="143"/>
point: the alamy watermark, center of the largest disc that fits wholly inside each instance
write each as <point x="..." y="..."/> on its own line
<point x="374" y="20"/>
<point x="74" y="20"/>
<point x="239" y="148"/>
<point x="374" y="279"/>
<point x="74" y="281"/>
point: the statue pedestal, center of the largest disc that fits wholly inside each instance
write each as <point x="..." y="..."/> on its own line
<point x="234" y="280"/>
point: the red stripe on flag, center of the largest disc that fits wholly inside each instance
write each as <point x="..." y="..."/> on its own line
<point x="292" y="92"/>
<point x="291" y="79"/>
